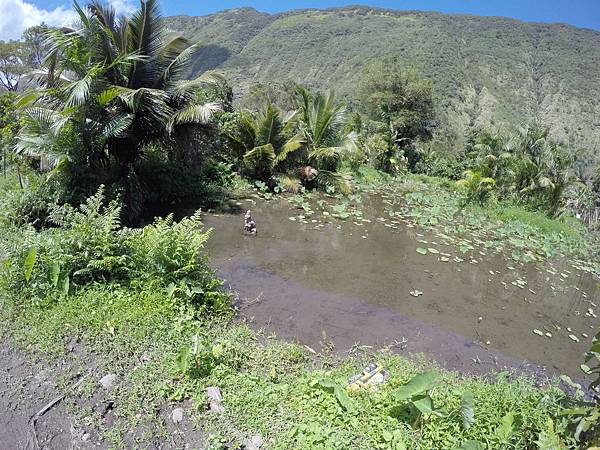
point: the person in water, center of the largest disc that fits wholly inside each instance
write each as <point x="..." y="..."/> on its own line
<point x="249" y="224"/>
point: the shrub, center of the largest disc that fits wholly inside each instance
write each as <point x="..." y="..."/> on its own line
<point x="87" y="245"/>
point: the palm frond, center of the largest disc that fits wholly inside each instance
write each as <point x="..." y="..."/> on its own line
<point x="290" y="146"/>
<point x="117" y="126"/>
<point x="288" y="183"/>
<point x="146" y="34"/>
<point x="200" y="114"/>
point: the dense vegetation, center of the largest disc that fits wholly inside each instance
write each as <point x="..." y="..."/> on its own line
<point x="108" y="131"/>
<point x="486" y="70"/>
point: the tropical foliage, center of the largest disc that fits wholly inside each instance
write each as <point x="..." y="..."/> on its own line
<point x="109" y="88"/>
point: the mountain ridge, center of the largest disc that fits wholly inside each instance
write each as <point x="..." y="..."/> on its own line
<point x="487" y="70"/>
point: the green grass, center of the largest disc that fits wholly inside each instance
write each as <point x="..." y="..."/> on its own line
<point x="269" y="386"/>
<point x="567" y="226"/>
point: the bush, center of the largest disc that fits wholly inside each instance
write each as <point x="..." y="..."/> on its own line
<point x="87" y="245"/>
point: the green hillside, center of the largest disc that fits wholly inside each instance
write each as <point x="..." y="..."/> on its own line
<point x="486" y="70"/>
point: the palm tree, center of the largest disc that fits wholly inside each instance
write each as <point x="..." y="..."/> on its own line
<point x="268" y="141"/>
<point x="542" y="168"/>
<point x="117" y="84"/>
<point x="321" y="121"/>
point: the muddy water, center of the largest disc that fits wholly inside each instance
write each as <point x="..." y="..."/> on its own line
<point x="338" y="283"/>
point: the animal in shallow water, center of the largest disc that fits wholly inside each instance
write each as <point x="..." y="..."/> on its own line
<point x="249" y="224"/>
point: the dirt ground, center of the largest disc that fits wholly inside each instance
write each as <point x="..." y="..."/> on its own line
<point x="26" y="389"/>
<point x="65" y="418"/>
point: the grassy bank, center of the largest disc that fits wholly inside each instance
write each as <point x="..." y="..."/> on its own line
<point x="143" y="305"/>
<point x="269" y="387"/>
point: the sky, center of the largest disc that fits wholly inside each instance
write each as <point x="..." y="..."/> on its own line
<point x="17" y="15"/>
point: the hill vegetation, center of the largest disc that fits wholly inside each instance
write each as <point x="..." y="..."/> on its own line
<point x="486" y="70"/>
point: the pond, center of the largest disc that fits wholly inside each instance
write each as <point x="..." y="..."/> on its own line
<point x="373" y="280"/>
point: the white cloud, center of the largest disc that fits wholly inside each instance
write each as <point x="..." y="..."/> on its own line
<point x="17" y="15"/>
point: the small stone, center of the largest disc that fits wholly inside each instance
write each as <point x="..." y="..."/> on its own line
<point x="254" y="443"/>
<point x="107" y="381"/>
<point x="214" y="399"/>
<point x="177" y="415"/>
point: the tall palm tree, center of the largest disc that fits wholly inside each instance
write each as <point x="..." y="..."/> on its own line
<point x="321" y="120"/>
<point x="118" y="84"/>
<point x="268" y="141"/>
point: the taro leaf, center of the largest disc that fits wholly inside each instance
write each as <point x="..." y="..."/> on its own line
<point x="417" y="385"/>
<point x="54" y="274"/>
<point x="29" y="263"/>
<point x="505" y="429"/>
<point x="471" y="445"/>
<point x="343" y="399"/>
<point x="423" y="403"/>
<point x="422" y="251"/>
<point x="182" y="361"/>
<point x="467" y="411"/>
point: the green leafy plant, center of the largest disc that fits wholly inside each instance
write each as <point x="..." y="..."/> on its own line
<point x="477" y="187"/>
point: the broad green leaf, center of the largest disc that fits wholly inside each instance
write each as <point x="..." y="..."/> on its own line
<point x="54" y="274"/>
<point x="327" y="384"/>
<point x="467" y="411"/>
<point x="417" y="385"/>
<point x="340" y="393"/>
<point x="505" y="429"/>
<point x="548" y="439"/>
<point x="170" y="290"/>
<point x="423" y="403"/>
<point x="343" y="399"/>
<point x="182" y="361"/>
<point x="65" y="284"/>
<point x="29" y="263"/>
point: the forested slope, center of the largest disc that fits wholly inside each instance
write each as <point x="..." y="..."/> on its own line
<point x="486" y="70"/>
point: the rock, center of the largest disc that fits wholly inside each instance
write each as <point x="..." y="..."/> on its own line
<point x="177" y="415"/>
<point x="254" y="443"/>
<point x="107" y="381"/>
<point x="214" y="399"/>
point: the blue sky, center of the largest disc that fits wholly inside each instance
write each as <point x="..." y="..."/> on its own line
<point x="16" y="15"/>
